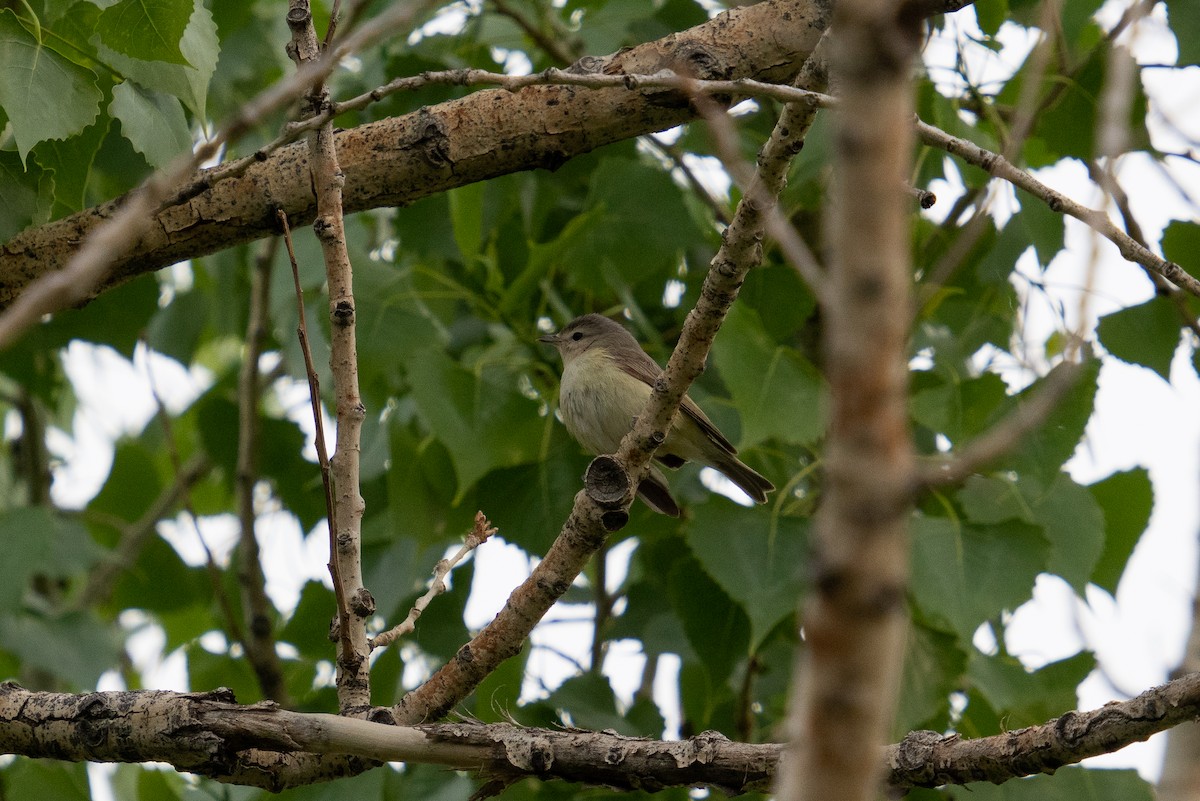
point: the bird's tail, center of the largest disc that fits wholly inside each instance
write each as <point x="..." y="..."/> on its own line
<point x="657" y="495"/>
<point x="750" y="482"/>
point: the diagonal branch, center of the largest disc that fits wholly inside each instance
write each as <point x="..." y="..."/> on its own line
<point x="603" y="505"/>
<point x="134" y="536"/>
<point x="1002" y="437"/>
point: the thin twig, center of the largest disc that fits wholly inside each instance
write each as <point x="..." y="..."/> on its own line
<point x="603" y="605"/>
<point x="259" y="638"/>
<point x="1162" y="287"/>
<point x="353" y="676"/>
<point x="1000" y="167"/>
<point x="314" y="395"/>
<point x="1005" y="435"/>
<point x="135" y="535"/>
<point x="478" y="535"/>
<point x="719" y="209"/>
<point x="211" y="568"/>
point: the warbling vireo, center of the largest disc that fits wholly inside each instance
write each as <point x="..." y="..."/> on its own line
<point x="605" y="383"/>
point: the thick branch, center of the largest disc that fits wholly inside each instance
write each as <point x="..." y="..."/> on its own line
<point x="265" y="746"/>
<point x="397" y="161"/>
<point x="603" y="506"/>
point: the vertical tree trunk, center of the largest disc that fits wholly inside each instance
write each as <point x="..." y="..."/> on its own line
<point x="854" y="624"/>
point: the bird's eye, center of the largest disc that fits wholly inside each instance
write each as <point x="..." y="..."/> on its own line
<point x="578" y="335"/>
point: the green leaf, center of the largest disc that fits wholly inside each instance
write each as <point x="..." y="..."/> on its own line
<point x="176" y="329"/>
<point x="1184" y="18"/>
<point x="161" y="582"/>
<point x="116" y="318"/>
<point x="27" y="194"/>
<point x="149" y="30"/>
<point x="644" y="228"/>
<point x="75" y="647"/>
<point x="71" y="160"/>
<point x="991" y="16"/>
<point x="646" y="617"/>
<point x="758" y="560"/>
<point x="1067" y="784"/>
<point x="36" y="541"/>
<point x="1146" y="335"/>
<point x="308" y="627"/>
<point x="1066" y="512"/>
<point x="422" y="474"/>
<point x="46" y="778"/>
<point x="1026" y="697"/>
<point x="1126" y="500"/>
<point x="530" y="502"/>
<point x="186" y="79"/>
<point x="959" y="409"/>
<point x="1068" y="126"/>
<point x="466" y="217"/>
<point x="133" y="484"/>
<point x="589" y="703"/>
<point x="207" y="671"/>
<point x="933" y="665"/>
<point x="1181" y="243"/>
<point x="955" y="583"/>
<point x="1042" y="226"/>
<point x="31" y="74"/>
<point x="136" y="783"/>
<point x="153" y="122"/>
<point x="716" y="627"/>
<point x="777" y="393"/>
<point x="479" y="414"/>
<point x="1042" y="453"/>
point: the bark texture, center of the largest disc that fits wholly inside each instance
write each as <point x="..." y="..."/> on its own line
<point x="854" y="623"/>
<point x="265" y="746"/>
<point x="396" y="161"/>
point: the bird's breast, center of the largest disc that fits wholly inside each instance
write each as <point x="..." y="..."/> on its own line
<point x="599" y="400"/>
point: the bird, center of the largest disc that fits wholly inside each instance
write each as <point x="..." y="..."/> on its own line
<point x="606" y="380"/>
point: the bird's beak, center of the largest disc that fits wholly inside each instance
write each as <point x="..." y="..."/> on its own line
<point x="549" y="339"/>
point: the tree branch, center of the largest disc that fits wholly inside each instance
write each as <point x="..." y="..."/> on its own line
<point x="265" y="746"/>
<point x="1002" y="437"/>
<point x="134" y="536"/>
<point x="258" y="639"/>
<point x="397" y="161"/>
<point x="478" y="535"/>
<point x="354" y="673"/>
<point x="603" y="505"/>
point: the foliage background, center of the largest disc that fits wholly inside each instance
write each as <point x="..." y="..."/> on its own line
<point x="453" y="292"/>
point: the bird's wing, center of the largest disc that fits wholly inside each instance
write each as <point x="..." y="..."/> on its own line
<point x="637" y="363"/>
